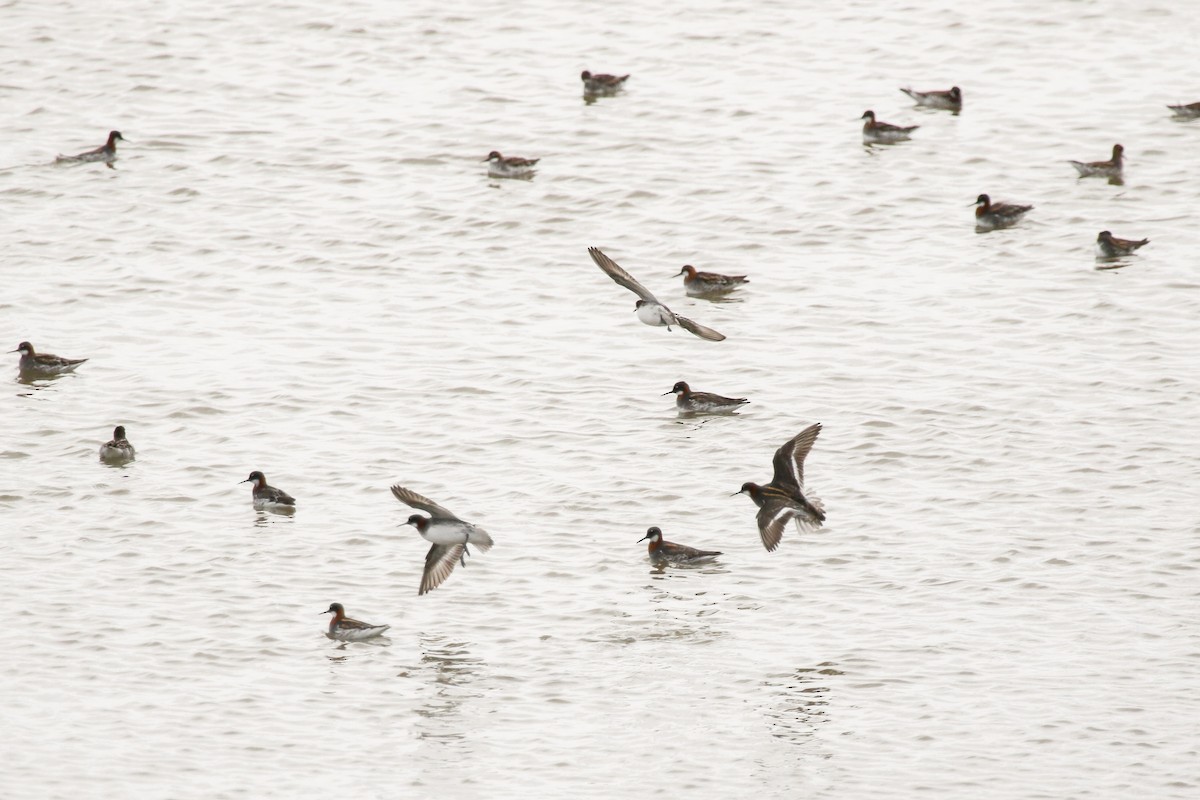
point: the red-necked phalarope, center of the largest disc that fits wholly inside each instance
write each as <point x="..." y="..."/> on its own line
<point x="989" y="215"/>
<point x="597" y="85"/>
<point x="1189" y="111"/>
<point x="648" y="309"/>
<point x="883" y="132"/>
<point x="783" y="498"/>
<point x="119" y="449"/>
<point x="44" y="364"/>
<point x="1109" y="246"/>
<point x="449" y="535"/>
<point x="687" y="400"/>
<point x="509" y="167"/>
<point x="950" y="99"/>
<point x="345" y="629"/>
<point x="268" y="496"/>
<point x="702" y="283"/>
<point x="1103" y="169"/>
<point x="660" y="550"/>
<point x="106" y="152"/>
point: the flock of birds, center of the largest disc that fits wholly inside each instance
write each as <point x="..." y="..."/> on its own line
<point x="990" y="215"/>
<point x="780" y="501"/>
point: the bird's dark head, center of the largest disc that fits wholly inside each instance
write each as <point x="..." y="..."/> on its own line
<point x="653" y="534"/>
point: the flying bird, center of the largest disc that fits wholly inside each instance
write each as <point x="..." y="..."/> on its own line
<point x="783" y="500"/>
<point x="649" y="309"/>
<point x="449" y="536"/>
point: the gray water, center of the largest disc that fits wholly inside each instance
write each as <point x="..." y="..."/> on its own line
<point x="299" y="265"/>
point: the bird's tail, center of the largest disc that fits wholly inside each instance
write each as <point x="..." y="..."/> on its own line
<point x="480" y="539"/>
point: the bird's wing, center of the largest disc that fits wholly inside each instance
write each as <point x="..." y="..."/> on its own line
<point x="772" y="519"/>
<point x="409" y="497"/>
<point x="613" y="270"/>
<point x="359" y="625"/>
<point x="280" y="496"/>
<point x="699" y="330"/>
<point x="789" y="458"/>
<point x="439" y="563"/>
<point x="691" y="553"/>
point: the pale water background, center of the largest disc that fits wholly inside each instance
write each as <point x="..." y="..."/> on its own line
<point x="300" y="266"/>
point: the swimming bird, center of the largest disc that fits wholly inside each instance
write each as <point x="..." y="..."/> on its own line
<point x="119" y="449"/>
<point x="1189" y="111"/>
<point x="106" y="152"/>
<point x="509" y="166"/>
<point x="268" y="496"/>
<point x="989" y="215"/>
<point x="783" y="498"/>
<point x="44" y="364"/>
<point x="1103" y="169"/>
<point x="883" y="132"/>
<point x="1109" y="246"/>
<point x="687" y="400"/>
<point x="648" y="309"/>
<point x="701" y="283"/>
<point x="950" y="99"/>
<point x="602" y="84"/>
<point x="350" y="630"/>
<point x="449" y="535"/>
<point x="660" y="550"/>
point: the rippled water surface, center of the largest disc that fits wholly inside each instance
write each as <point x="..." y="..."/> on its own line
<point x="299" y="265"/>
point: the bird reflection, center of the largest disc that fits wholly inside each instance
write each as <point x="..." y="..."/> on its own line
<point x="685" y="608"/>
<point x="1112" y="263"/>
<point x="798" y="702"/>
<point x="269" y="516"/>
<point x="692" y="421"/>
<point x="448" y="670"/>
<point x="37" y="382"/>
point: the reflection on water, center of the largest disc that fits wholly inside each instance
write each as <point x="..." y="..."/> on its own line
<point x="683" y="604"/>
<point x="798" y="702"/>
<point x="447" y="671"/>
<point x="693" y="420"/>
<point x="662" y="565"/>
<point x="376" y="641"/>
<point x="1116" y="262"/>
<point x="270" y="516"/>
<point x="730" y="297"/>
<point x="39" y="382"/>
